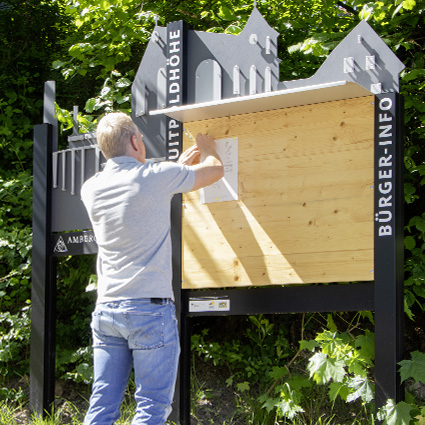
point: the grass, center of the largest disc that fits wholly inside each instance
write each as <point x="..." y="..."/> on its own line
<point x="11" y="414"/>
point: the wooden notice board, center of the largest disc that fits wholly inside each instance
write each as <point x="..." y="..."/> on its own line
<point x="304" y="212"/>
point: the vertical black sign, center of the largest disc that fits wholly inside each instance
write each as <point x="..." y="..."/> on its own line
<point x="175" y="86"/>
<point x="174" y="141"/>
<point x="389" y="245"/>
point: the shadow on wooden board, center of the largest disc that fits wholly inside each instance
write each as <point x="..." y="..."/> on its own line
<point x="305" y="200"/>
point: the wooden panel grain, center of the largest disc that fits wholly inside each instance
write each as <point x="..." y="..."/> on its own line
<point x="305" y="207"/>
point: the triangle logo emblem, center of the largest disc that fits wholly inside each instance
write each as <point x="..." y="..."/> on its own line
<point x="60" y="245"/>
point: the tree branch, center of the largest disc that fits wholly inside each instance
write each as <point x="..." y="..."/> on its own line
<point x="349" y="9"/>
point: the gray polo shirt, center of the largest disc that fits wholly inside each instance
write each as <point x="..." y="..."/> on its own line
<point x="129" y="206"/>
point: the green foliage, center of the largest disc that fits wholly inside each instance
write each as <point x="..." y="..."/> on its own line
<point x="338" y="369"/>
<point x="414" y="368"/>
<point x="7" y="413"/>
<point x="111" y="31"/>
<point x="76" y="366"/>
<point x="14" y="342"/>
<point x="397" y="414"/>
<point x="75" y="302"/>
<point x="15" y="274"/>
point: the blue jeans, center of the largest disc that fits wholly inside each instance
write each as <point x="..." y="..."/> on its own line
<point x="140" y="334"/>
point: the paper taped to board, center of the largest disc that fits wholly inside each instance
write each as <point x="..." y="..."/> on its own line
<point x="226" y="189"/>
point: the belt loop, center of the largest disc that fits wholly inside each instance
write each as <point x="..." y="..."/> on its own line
<point x="159" y="301"/>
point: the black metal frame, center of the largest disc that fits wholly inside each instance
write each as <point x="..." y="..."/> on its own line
<point x="389" y="248"/>
<point x="385" y="296"/>
<point x="43" y="289"/>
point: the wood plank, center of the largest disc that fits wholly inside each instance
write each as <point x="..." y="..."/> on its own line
<point x="305" y="208"/>
<point x="263" y="271"/>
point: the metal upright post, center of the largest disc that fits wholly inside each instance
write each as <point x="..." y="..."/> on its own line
<point x="389" y="246"/>
<point x="174" y="140"/>
<point x="43" y="289"/>
<point x="42" y="361"/>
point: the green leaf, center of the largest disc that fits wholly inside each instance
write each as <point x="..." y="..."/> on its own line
<point x="243" y="386"/>
<point x="338" y="389"/>
<point x="269" y="403"/>
<point x="297" y="383"/>
<point x="233" y="29"/>
<point x="408" y="310"/>
<point x="105" y="5"/>
<point x="123" y="82"/>
<point x="90" y="105"/>
<point x="409" y="242"/>
<point x="331" y="324"/>
<point x="288" y="405"/>
<point x="308" y="345"/>
<point x="366" y="343"/>
<point x="414" y="368"/>
<point x="322" y="369"/>
<point x="226" y="14"/>
<point x="409" y="4"/>
<point x="395" y="414"/>
<point x="362" y="389"/>
<point x="278" y="372"/>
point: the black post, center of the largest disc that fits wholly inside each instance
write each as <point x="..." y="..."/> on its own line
<point x="43" y="286"/>
<point x="43" y="293"/>
<point x="389" y="246"/>
<point x="174" y="138"/>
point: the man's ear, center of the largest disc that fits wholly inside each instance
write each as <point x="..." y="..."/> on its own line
<point x="133" y="143"/>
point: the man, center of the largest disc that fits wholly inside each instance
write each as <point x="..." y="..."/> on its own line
<point x="134" y="323"/>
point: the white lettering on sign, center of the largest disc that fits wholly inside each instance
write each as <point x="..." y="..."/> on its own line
<point x="174" y="90"/>
<point x="174" y="70"/>
<point x="173" y="139"/>
<point x="81" y="239"/>
<point x="385" y="184"/>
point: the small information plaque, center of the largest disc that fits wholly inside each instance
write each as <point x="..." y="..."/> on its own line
<point x="208" y="304"/>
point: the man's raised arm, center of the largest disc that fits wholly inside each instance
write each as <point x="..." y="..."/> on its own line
<point x="210" y="168"/>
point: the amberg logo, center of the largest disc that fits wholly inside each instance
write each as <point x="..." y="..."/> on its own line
<point x="60" y="245"/>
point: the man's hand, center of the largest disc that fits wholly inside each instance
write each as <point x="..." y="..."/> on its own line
<point x="210" y="169"/>
<point x="206" y="145"/>
<point x="190" y="156"/>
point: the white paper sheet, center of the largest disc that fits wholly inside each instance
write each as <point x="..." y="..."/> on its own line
<point x="226" y="189"/>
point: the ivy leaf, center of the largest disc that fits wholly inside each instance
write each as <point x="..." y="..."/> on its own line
<point x="414" y="368"/>
<point x="322" y="369"/>
<point x="395" y="414"/>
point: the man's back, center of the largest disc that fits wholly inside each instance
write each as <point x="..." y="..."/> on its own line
<point x="129" y="206"/>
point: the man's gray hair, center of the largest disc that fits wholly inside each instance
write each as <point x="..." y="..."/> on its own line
<point x="114" y="133"/>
